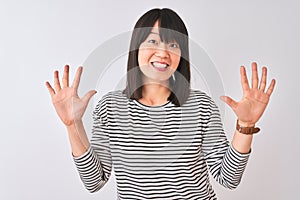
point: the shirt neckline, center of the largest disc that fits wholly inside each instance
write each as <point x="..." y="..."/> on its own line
<point x="151" y="107"/>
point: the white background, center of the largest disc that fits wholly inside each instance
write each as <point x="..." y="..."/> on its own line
<point x="37" y="37"/>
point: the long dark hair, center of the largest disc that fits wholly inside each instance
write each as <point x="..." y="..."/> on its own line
<point x="171" y="27"/>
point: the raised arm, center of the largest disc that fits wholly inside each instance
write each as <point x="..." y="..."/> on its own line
<point x="70" y="108"/>
<point x="251" y="107"/>
<point x="92" y="161"/>
<point x="227" y="162"/>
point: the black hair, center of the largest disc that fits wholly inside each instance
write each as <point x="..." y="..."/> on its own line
<point x="171" y="27"/>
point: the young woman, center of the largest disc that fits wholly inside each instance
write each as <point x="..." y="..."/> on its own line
<point x="162" y="137"/>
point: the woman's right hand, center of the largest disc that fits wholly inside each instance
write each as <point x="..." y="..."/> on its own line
<point x="68" y="105"/>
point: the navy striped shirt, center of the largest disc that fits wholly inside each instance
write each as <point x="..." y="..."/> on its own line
<point x="160" y="152"/>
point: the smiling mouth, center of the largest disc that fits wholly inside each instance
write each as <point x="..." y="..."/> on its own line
<point x="160" y="66"/>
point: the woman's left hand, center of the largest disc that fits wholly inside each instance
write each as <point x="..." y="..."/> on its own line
<point x="255" y="99"/>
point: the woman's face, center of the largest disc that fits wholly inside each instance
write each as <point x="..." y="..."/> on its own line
<point x="158" y="60"/>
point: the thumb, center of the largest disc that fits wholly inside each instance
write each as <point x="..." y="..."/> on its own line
<point x="229" y="101"/>
<point x="89" y="95"/>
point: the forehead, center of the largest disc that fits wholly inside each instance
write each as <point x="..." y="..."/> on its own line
<point x="155" y="29"/>
<point x="163" y="33"/>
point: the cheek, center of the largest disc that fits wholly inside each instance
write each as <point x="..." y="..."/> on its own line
<point x="140" y="57"/>
<point x="143" y="57"/>
<point x="175" y="61"/>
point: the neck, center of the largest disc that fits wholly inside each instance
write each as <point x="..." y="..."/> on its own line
<point x="154" y="94"/>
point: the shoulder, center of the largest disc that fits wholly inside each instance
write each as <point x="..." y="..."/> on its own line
<point x="112" y="98"/>
<point x="200" y="97"/>
<point x="204" y="104"/>
<point x="201" y="101"/>
<point x="109" y="101"/>
<point x="118" y="94"/>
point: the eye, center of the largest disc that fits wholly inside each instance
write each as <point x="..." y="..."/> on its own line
<point x="152" y="41"/>
<point x="173" y="45"/>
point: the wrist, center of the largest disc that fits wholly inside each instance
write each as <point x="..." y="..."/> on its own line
<point x="74" y="125"/>
<point x="246" y="128"/>
<point x="245" y="124"/>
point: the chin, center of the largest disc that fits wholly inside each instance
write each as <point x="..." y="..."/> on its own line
<point x="158" y="80"/>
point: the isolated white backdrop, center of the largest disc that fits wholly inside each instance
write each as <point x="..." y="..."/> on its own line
<point x="37" y="37"/>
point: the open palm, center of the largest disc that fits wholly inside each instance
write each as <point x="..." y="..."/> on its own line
<point x="255" y="99"/>
<point x="68" y="105"/>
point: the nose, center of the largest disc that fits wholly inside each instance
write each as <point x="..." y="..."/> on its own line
<point x="162" y="51"/>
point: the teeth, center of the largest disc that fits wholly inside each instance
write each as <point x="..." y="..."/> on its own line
<point x="160" y="65"/>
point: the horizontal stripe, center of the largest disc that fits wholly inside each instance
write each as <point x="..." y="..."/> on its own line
<point x="161" y="152"/>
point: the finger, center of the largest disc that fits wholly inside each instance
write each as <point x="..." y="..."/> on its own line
<point x="89" y="95"/>
<point x="65" y="80"/>
<point x="50" y="88"/>
<point x="244" y="79"/>
<point x="76" y="81"/>
<point x="229" y="101"/>
<point x="254" y="76"/>
<point x="271" y="87"/>
<point x="263" y="81"/>
<point x="56" y="81"/>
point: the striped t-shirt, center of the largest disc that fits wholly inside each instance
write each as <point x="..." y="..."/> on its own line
<point x="160" y="152"/>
